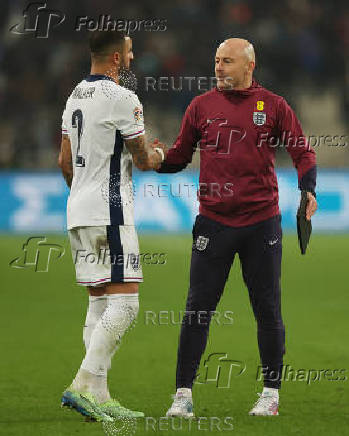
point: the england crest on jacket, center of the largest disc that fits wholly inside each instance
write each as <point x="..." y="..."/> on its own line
<point x="201" y="243"/>
<point x="259" y="118"/>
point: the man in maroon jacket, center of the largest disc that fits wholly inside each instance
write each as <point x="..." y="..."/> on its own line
<point x="237" y="126"/>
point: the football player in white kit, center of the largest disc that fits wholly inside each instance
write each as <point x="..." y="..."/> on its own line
<point x="102" y="134"/>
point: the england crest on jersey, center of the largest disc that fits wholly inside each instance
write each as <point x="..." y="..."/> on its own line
<point x="201" y="243"/>
<point x="134" y="261"/>
<point x="259" y="118"/>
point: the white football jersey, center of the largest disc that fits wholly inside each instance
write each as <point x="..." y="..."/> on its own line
<point x="98" y="116"/>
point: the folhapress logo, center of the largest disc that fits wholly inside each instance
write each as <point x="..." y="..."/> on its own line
<point x="219" y="370"/>
<point x="37" y="254"/>
<point x="38" y="20"/>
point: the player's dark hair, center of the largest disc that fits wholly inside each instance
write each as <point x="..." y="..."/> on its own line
<point x="104" y="42"/>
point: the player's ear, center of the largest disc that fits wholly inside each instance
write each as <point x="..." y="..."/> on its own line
<point x="250" y="67"/>
<point x="116" y="57"/>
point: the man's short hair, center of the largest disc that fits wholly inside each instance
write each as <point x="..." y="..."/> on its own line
<point x="105" y="42"/>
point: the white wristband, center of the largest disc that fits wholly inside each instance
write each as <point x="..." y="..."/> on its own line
<point x="161" y="152"/>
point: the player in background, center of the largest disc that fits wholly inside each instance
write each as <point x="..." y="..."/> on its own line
<point x="237" y="125"/>
<point x="102" y="134"/>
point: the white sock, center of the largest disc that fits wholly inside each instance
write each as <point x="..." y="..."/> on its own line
<point x="96" y="384"/>
<point x="271" y="392"/>
<point x="95" y="309"/>
<point x="186" y="392"/>
<point x="121" y="311"/>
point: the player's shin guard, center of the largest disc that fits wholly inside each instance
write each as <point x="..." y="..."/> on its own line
<point x="120" y="313"/>
<point x="95" y="309"/>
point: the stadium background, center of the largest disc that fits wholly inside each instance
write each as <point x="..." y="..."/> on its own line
<point x="302" y="54"/>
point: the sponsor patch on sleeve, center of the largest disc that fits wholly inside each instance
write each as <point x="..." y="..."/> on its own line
<point x="138" y="114"/>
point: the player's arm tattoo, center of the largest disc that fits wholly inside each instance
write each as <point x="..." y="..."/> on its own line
<point x="65" y="160"/>
<point x="145" y="157"/>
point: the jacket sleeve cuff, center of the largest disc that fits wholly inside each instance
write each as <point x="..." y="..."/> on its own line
<point x="171" y="168"/>
<point x="308" y="181"/>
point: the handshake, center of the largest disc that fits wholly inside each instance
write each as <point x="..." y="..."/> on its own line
<point x="159" y="153"/>
<point x="147" y="156"/>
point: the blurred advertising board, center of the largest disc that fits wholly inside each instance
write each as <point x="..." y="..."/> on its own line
<point x="35" y="202"/>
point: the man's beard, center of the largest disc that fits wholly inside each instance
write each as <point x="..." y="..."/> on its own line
<point x="127" y="78"/>
<point x="228" y="83"/>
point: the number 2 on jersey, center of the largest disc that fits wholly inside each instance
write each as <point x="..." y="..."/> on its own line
<point x="77" y="124"/>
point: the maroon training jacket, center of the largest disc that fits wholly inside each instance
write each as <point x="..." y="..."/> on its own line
<point x="237" y="133"/>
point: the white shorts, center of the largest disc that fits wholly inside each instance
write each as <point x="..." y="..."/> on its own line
<point x="103" y="254"/>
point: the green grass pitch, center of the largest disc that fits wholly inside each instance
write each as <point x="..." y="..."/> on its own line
<point x="41" y="321"/>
